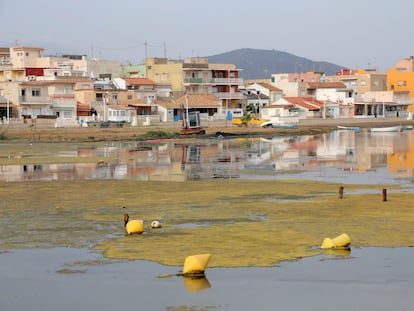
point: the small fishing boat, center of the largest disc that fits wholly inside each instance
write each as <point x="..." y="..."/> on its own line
<point x="278" y="125"/>
<point x="397" y="128"/>
<point x="284" y="126"/>
<point x="349" y="128"/>
<point x="407" y="127"/>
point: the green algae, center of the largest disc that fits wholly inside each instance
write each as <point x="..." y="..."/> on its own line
<point x="239" y="222"/>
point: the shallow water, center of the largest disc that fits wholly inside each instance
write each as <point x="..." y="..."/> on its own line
<point x="69" y="279"/>
<point x="340" y="156"/>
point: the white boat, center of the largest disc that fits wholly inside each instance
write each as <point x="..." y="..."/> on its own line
<point x="278" y="125"/>
<point x="397" y="128"/>
<point x="349" y="128"/>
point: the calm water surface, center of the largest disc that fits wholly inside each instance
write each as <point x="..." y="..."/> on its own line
<point x="369" y="279"/>
<point x="339" y="156"/>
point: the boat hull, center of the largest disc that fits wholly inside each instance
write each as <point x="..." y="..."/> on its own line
<point x="386" y="129"/>
<point x="349" y="128"/>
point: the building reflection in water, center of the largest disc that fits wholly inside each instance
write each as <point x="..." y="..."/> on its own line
<point x="336" y="153"/>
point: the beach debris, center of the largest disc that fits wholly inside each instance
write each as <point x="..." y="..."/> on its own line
<point x="155" y="224"/>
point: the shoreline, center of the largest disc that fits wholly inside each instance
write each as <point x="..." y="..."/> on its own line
<point x="171" y="130"/>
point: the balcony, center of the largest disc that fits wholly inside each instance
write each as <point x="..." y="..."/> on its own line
<point x="227" y="81"/>
<point x="228" y="95"/>
<point x="197" y="81"/>
<point x="214" y="81"/>
<point x="34" y="100"/>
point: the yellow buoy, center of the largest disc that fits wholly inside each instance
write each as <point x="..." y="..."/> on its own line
<point x="134" y="226"/>
<point x="341" y="241"/>
<point x="327" y="243"/>
<point x="196" y="265"/>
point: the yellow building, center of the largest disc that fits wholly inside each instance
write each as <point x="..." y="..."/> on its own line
<point x="401" y="80"/>
<point x="197" y="76"/>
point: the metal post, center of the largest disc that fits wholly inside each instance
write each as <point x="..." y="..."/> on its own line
<point x="260" y="104"/>
<point x="7" y="112"/>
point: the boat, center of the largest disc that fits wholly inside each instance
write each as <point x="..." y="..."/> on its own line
<point x="278" y="125"/>
<point x="397" y="128"/>
<point x="284" y="126"/>
<point x="349" y="128"/>
<point x="407" y="127"/>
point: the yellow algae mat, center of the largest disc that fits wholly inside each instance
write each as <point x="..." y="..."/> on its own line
<point x="239" y="222"/>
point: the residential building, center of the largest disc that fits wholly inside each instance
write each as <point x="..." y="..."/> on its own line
<point x="273" y="93"/>
<point x="197" y="76"/>
<point x="358" y="82"/>
<point x="294" y="84"/>
<point x="401" y="82"/>
<point x="48" y="99"/>
<point x="133" y="71"/>
<point x="382" y="104"/>
<point x="172" y="110"/>
<point x="142" y="94"/>
<point x="297" y="107"/>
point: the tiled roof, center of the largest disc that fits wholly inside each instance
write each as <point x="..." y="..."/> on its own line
<point x="194" y="101"/>
<point x="270" y="87"/>
<point x="309" y="103"/>
<point x="134" y="102"/>
<point x="139" y="81"/>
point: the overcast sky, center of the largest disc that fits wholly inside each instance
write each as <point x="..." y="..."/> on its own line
<point x="353" y="33"/>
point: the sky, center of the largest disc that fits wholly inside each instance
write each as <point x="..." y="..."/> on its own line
<point x="355" y="33"/>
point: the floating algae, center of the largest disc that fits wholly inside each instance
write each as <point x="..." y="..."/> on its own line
<point x="245" y="222"/>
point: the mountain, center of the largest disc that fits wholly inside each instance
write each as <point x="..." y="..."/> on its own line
<point x="261" y="64"/>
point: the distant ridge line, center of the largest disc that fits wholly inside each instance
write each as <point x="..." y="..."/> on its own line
<point x="261" y="64"/>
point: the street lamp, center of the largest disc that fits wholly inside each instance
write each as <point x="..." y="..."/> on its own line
<point x="104" y="106"/>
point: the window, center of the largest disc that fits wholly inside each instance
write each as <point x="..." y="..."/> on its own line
<point x="36" y="92"/>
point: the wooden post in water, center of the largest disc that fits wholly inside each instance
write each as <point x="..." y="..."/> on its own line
<point x="341" y="192"/>
<point x="384" y="194"/>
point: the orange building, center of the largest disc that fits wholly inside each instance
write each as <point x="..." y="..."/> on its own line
<point x="401" y="81"/>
